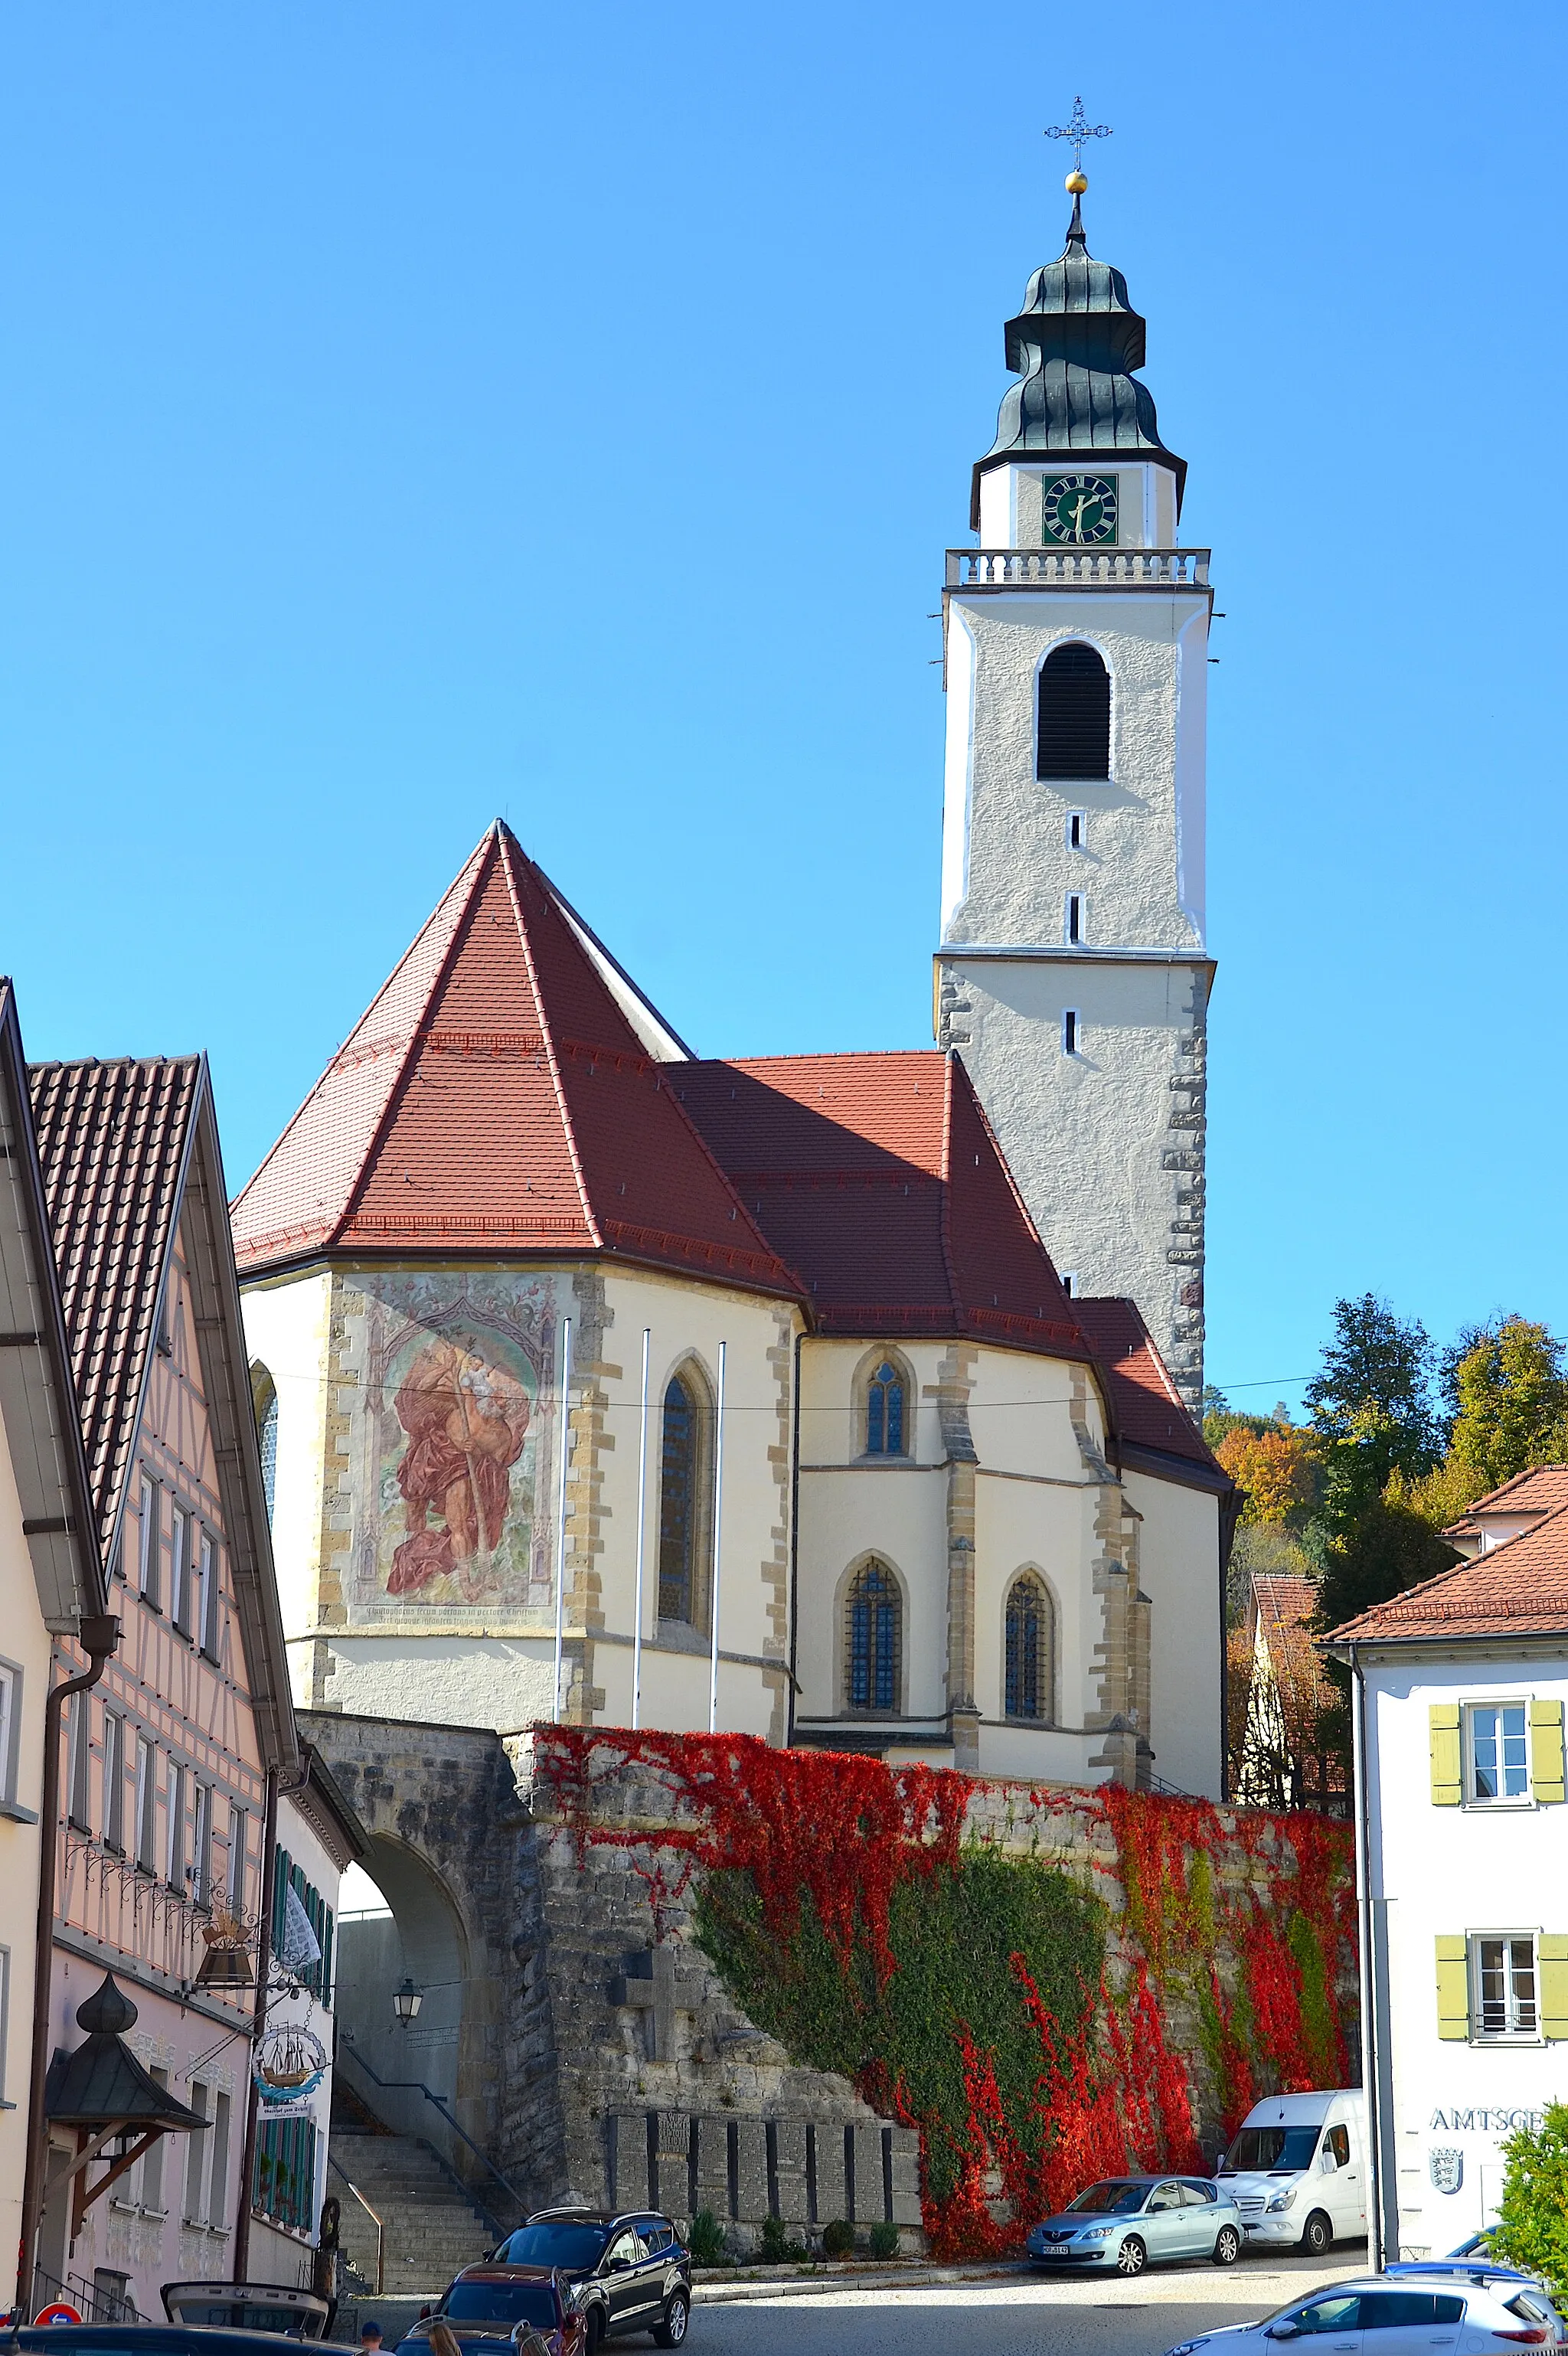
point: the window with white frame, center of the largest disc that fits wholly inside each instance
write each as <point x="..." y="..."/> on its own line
<point x="113" y="1781"/>
<point x="148" y="1557"/>
<point x="176" y="1825"/>
<point x="10" y="1711"/>
<point x="201" y="1848"/>
<point x="218" y="2174"/>
<point x="180" y="1570"/>
<point x="151" y="2185"/>
<point x="1503" y="1971"/>
<point x="195" y="2159"/>
<point x="239" y="1821"/>
<point x="208" y="1624"/>
<point x="79" y="1801"/>
<point x="1498" y="1746"/>
<point x="146" y="1806"/>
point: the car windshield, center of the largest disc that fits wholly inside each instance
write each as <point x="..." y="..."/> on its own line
<point x="1271" y="2151"/>
<point x="501" y="2302"/>
<point x="558" y="2241"/>
<point x="1114" y="2198"/>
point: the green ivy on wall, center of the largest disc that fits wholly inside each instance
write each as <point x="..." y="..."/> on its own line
<point x="955" y="1935"/>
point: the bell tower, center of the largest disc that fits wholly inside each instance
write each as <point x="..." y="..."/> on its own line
<point x="1072" y="974"/>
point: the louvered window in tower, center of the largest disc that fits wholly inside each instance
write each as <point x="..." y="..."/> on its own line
<point x="1074" y="739"/>
<point x="885" y="1412"/>
<point x="874" y="1635"/>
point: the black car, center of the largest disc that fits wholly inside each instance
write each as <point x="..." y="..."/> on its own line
<point x="629" y="2269"/>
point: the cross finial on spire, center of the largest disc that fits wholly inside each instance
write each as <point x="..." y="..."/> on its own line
<point x="1079" y="129"/>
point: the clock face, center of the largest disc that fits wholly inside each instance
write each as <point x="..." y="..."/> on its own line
<point x="1079" y="509"/>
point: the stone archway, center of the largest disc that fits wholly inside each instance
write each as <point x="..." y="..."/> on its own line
<point x="453" y="1854"/>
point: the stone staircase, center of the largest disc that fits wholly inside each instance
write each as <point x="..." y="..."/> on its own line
<point x="431" y="2230"/>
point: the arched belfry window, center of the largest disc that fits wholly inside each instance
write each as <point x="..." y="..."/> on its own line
<point x="683" y="1514"/>
<point x="874" y="1638"/>
<point x="1030" y="1650"/>
<point x="264" y="1399"/>
<point x="1073" y="738"/>
<point x="885" y="1399"/>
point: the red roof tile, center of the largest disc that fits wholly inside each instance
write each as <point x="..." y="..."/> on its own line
<point x="1517" y="1589"/>
<point x="877" y="1176"/>
<point x="499" y="1097"/>
<point x="1145" y="1401"/>
<point x="1536" y="1491"/>
<point x="114" y="1139"/>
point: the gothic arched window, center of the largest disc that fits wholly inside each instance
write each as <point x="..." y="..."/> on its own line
<point x="874" y="1637"/>
<point x="1031" y="1649"/>
<point x="1074" y="734"/>
<point x="265" y="1397"/>
<point x="885" y="1412"/>
<point x="682" y="1518"/>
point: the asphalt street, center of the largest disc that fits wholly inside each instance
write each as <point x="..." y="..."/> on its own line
<point x="1028" y="2316"/>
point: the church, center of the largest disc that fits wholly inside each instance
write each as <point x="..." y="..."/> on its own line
<point x="840" y="1399"/>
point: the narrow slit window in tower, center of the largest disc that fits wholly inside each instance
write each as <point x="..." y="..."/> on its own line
<point x="1074" y="917"/>
<point x="1075" y="829"/>
<point x="1070" y="1031"/>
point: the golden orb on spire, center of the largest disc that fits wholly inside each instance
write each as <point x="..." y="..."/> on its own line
<point x="1076" y="183"/>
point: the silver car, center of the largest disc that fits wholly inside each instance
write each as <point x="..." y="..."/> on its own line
<point x="1380" y="2317"/>
<point x="1126" y="2223"/>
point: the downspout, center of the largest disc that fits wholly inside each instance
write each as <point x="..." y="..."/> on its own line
<point x="1364" y="1921"/>
<point x="794" y="1546"/>
<point x="99" y="1637"/>
<point x="242" y="2247"/>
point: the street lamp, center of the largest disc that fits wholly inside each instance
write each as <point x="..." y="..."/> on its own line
<point x="406" y="2001"/>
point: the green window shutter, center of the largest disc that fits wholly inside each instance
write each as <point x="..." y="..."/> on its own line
<point x="1546" y="1751"/>
<point x="1552" y="1964"/>
<point x="1453" y="1987"/>
<point x="1447" y="1786"/>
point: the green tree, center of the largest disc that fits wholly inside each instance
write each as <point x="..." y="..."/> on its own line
<point x="1387" y="1548"/>
<point x="1511" y="1400"/>
<point x="1533" y="2216"/>
<point x="1371" y="1405"/>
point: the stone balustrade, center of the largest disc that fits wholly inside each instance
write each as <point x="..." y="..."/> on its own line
<point x="1078" y="568"/>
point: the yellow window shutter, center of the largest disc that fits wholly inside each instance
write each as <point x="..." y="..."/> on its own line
<point x="1453" y="1987"/>
<point x="1552" y="1961"/>
<point x="1447" y="1788"/>
<point x="1546" y="1751"/>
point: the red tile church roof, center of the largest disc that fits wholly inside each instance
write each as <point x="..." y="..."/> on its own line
<point x="877" y="1176"/>
<point x="497" y="1098"/>
<point x="1146" y="1406"/>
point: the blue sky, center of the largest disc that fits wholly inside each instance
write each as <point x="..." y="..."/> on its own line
<point x="410" y="414"/>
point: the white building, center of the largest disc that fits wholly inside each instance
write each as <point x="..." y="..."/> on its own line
<point x="1073" y="971"/>
<point x="1458" y="1688"/>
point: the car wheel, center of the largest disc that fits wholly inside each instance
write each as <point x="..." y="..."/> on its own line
<point x="1227" y="2247"/>
<point x="595" y="2339"/>
<point x="1132" y="2258"/>
<point x="1317" y="2235"/>
<point x="671" y="2332"/>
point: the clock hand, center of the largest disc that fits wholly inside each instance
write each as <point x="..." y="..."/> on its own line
<point x="1078" y="517"/>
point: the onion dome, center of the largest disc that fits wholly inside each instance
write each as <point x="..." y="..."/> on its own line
<point x="1073" y="347"/>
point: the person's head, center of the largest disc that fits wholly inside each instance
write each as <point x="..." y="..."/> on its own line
<point x="369" y="2335"/>
<point x="443" y="2339"/>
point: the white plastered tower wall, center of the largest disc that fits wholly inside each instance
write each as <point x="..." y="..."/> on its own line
<point x="1103" y="1128"/>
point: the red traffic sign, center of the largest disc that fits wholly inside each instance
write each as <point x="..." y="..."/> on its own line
<point x="60" y="2310"/>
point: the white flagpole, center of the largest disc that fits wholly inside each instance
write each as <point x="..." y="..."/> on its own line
<point x="563" y="1445"/>
<point x="642" y="1540"/>
<point x="717" y="1511"/>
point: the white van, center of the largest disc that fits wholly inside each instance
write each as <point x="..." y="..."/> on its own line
<point x="1297" y="2169"/>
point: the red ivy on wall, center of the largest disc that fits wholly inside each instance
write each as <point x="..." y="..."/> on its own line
<point x="1234" y="1942"/>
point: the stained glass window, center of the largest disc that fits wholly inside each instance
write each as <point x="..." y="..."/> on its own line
<point x="874" y="1632"/>
<point x="678" y="1505"/>
<point x="1028" y="1649"/>
<point x="885" y="1412"/>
